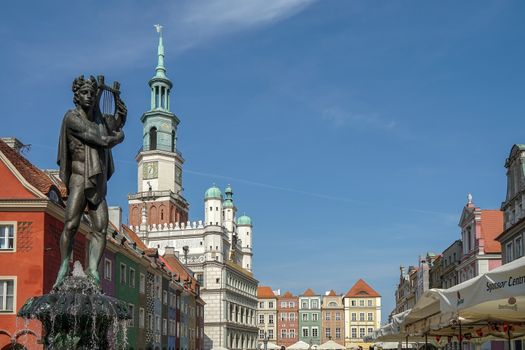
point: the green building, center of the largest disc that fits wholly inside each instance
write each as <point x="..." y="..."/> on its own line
<point x="310" y="317"/>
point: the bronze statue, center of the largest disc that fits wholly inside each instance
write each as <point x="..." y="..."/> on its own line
<point x="86" y="164"/>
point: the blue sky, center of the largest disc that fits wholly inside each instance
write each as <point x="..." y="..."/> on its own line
<point x="351" y="131"/>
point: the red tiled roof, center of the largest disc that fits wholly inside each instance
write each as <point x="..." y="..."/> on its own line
<point x="288" y="295"/>
<point x="361" y="290"/>
<point x="36" y="177"/>
<point x="332" y="293"/>
<point x="131" y="234"/>
<point x="264" y="292"/>
<point x="491" y="228"/>
<point x="309" y="293"/>
<point x="181" y="270"/>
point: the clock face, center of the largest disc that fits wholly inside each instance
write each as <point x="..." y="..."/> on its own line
<point x="150" y="170"/>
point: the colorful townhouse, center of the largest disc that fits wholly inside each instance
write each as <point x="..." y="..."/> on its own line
<point x="362" y="305"/>
<point x="332" y="318"/>
<point x="310" y="317"/>
<point x="267" y="314"/>
<point x="287" y="319"/>
<point x="481" y="251"/>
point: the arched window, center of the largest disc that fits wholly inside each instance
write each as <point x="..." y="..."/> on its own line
<point x="173" y="141"/>
<point x="153" y="138"/>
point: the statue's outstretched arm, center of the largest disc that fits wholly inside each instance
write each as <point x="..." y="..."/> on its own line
<point x="90" y="134"/>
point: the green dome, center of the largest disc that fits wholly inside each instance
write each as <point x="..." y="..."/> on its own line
<point x="213" y="192"/>
<point x="244" y="220"/>
<point x="228" y="203"/>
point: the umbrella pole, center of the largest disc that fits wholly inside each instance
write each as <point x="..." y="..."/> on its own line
<point x="508" y="336"/>
<point x="426" y="341"/>
<point x="406" y="342"/>
<point x="460" y="337"/>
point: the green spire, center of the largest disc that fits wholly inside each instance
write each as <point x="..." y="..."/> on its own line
<point x="160" y="70"/>
<point x="228" y="201"/>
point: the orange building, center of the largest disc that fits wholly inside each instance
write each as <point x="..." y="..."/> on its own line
<point x="31" y="216"/>
<point x="287" y="319"/>
<point x="333" y="318"/>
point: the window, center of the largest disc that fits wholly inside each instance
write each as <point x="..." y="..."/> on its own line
<point x="283" y="333"/>
<point x="291" y="304"/>
<point x="165" y="297"/>
<point x="327" y="333"/>
<point x="354" y="303"/>
<point x="291" y="333"/>
<point x="315" y="304"/>
<point x="7" y="295"/>
<point x="157" y="323"/>
<point x="354" y="333"/>
<point x="107" y="269"/>
<point x="261" y="333"/>
<point x="509" y="252"/>
<point x="7" y="237"/>
<point x="338" y="333"/>
<point x="361" y="316"/>
<point x="261" y="319"/>
<point x="369" y="302"/>
<point x="150" y="322"/>
<point x="283" y="304"/>
<point x="142" y="283"/>
<point x="305" y="332"/>
<point x="354" y="318"/>
<point x="141" y="317"/>
<point x="518" y="247"/>
<point x="305" y="317"/>
<point x="131" y="310"/>
<point x="270" y="334"/>
<point x="283" y="316"/>
<point x="122" y="274"/>
<point x="361" y="332"/>
<point x="270" y="304"/>
<point x="164" y="326"/>
<point x="270" y="319"/>
<point x="315" y="316"/>
<point x="291" y="316"/>
<point x="315" y="332"/>
<point x="370" y="316"/>
<point x="337" y="316"/>
<point x="153" y="138"/>
<point x="370" y="330"/>
<point x="132" y="277"/>
<point x="261" y="304"/>
<point x="327" y="316"/>
<point x="361" y="303"/>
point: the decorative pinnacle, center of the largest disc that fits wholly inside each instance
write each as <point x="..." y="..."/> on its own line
<point x="160" y="70"/>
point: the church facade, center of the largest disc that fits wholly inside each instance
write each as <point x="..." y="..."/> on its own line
<point x="218" y="248"/>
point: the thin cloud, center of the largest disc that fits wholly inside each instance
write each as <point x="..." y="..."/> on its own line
<point x="131" y="42"/>
<point x="339" y="118"/>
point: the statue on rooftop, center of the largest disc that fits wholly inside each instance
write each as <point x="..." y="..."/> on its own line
<point x="88" y="133"/>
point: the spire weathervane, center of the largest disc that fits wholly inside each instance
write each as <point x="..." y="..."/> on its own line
<point x="161" y="70"/>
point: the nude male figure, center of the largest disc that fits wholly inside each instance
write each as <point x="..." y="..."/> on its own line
<point x="86" y="164"/>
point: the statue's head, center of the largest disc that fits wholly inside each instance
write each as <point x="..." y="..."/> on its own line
<point x="84" y="91"/>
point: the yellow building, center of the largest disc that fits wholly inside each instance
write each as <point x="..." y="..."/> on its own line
<point x="362" y="307"/>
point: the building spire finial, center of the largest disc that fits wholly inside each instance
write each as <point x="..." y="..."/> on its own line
<point x="160" y="70"/>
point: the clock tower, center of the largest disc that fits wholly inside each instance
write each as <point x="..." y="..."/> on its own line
<point x="159" y="199"/>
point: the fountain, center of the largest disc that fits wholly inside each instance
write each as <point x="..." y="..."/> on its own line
<point x="76" y="315"/>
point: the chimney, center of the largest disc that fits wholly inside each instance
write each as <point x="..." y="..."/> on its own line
<point x="115" y="216"/>
<point x="169" y="251"/>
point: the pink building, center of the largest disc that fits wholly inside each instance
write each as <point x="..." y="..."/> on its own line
<point x="479" y="229"/>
